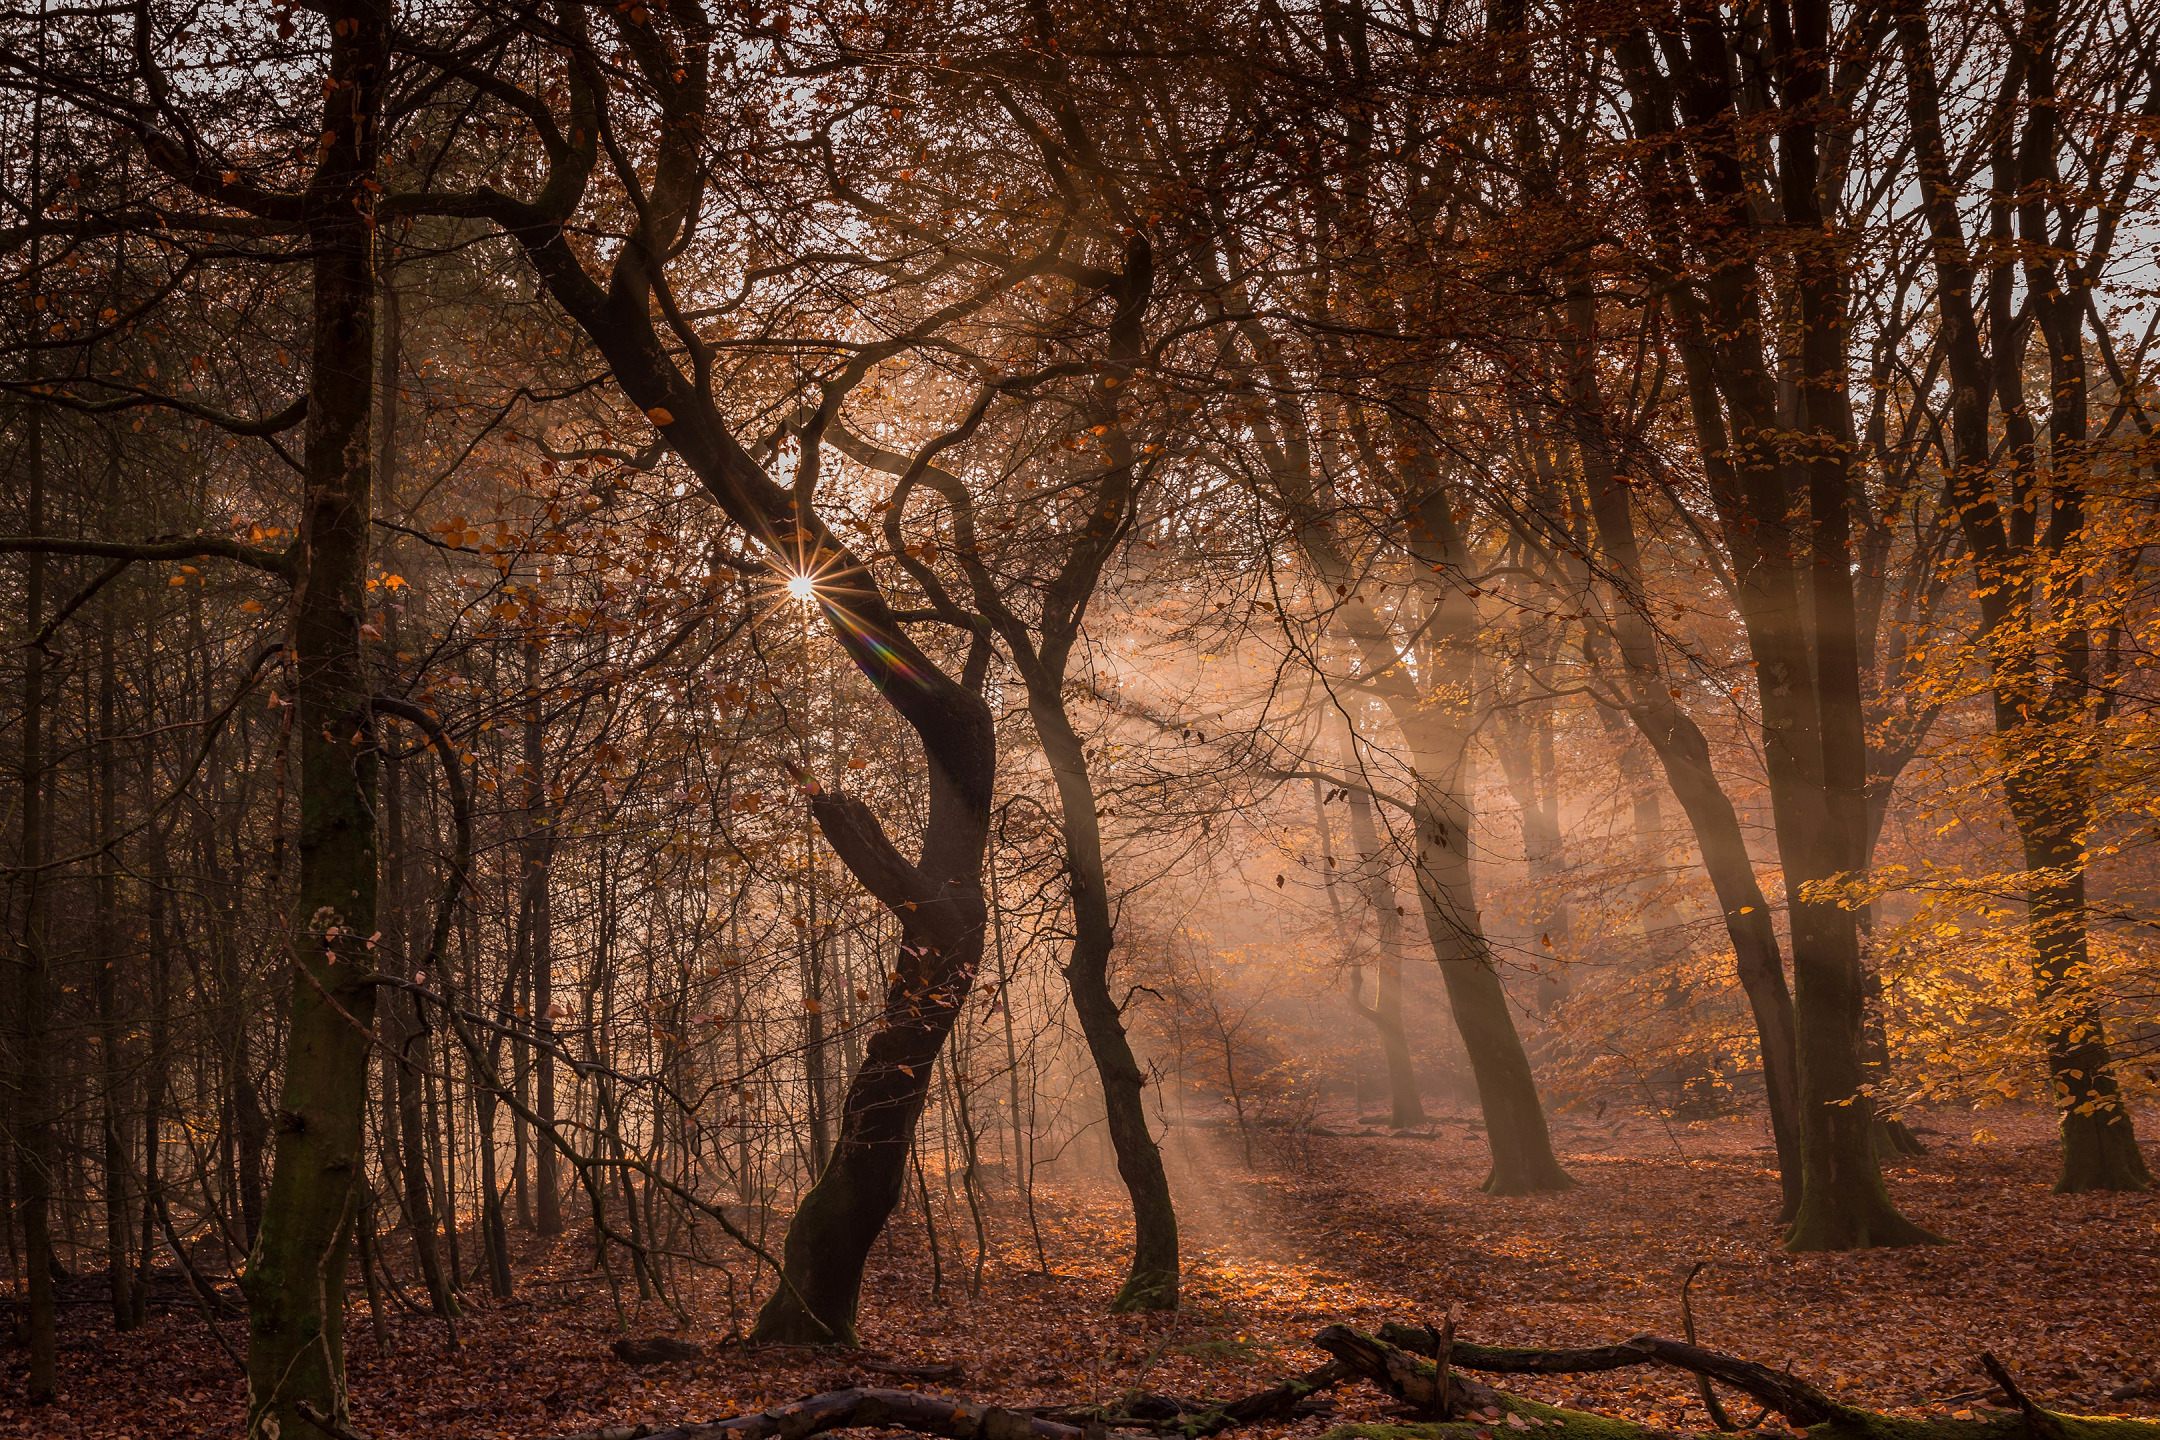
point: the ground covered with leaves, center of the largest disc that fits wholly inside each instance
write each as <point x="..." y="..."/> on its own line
<point x="1352" y="1228"/>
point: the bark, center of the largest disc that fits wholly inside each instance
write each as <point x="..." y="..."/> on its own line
<point x="938" y="897"/>
<point x="296" y="1275"/>
<point x="1041" y="652"/>
<point x="105" y="947"/>
<point x="1151" y="1280"/>
<point x="921" y="1414"/>
<point x="158" y="1075"/>
<point x="539" y="855"/>
<point x="941" y="942"/>
<point x="1523" y="1162"/>
<point x="406" y="1040"/>
<point x="33" y="1131"/>
<point x="1438" y="727"/>
<point x="1472" y="1412"/>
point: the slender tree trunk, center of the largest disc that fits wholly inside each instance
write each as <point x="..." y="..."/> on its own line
<point x="1523" y="1162"/>
<point x="160" y="1067"/>
<point x="1151" y="1281"/>
<point x="33" y="1137"/>
<point x="296" y="1274"/>
<point x="404" y="1123"/>
<point x="105" y="947"/>
<point x="1374" y="887"/>
<point x="540" y="952"/>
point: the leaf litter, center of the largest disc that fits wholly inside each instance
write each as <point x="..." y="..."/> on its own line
<point x="1354" y="1228"/>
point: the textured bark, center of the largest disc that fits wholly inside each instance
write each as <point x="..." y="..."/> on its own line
<point x="33" y="1131"/>
<point x="295" y="1281"/>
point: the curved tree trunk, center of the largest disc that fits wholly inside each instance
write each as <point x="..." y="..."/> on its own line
<point x="940" y="905"/>
<point x="1151" y="1282"/>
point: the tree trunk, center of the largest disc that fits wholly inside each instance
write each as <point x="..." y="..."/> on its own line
<point x="939" y="902"/>
<point x="540" y="952"/>
<point x="1374" y="887"/>
<point x="1684" y="753"/>
<point x="32" y="1121"/>
<point x="1523" y="1162"/>
<point x="105" y="947"/>
<point x="2050" y="798"/>
<point x="295" y="1276"/>
<point x="1151" y="1281"/>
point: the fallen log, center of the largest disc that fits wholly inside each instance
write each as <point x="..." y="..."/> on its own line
<point x="1169" y="1415"/>
<point x="844" y="1409"/>
<point x="961" y="1420"/>
<point x="1787" y="1395"/>
<point x="1411" y="1380"/>
<point x="657" y="1350"/>
<point x="1475" y="1410"/>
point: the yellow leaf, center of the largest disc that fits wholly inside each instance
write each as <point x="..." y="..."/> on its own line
<point x="660" y="415"/>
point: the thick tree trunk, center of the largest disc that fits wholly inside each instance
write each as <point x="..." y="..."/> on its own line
<point x="941" y="943"/>
<point x="296" y="1275"/>
<point x="1794" y="590"/>
<point x="2099" y="1143"/>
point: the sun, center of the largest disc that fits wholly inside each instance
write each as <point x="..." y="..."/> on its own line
<point x="801" y="587"/>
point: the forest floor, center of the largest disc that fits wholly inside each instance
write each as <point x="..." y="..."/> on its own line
<point x="1357" y="1229"/>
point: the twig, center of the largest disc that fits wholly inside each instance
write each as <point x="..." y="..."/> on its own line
<point x="2042" y="1425"/>
<point x="1718" y="1417"/>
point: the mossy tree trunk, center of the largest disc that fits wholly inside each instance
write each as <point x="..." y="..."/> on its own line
<point x="295" y="1281"/>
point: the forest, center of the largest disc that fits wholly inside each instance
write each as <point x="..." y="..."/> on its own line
<point x="1017" y="720"/>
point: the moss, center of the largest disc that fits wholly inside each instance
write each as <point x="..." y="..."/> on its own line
<point x="1853" y="1425"/>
